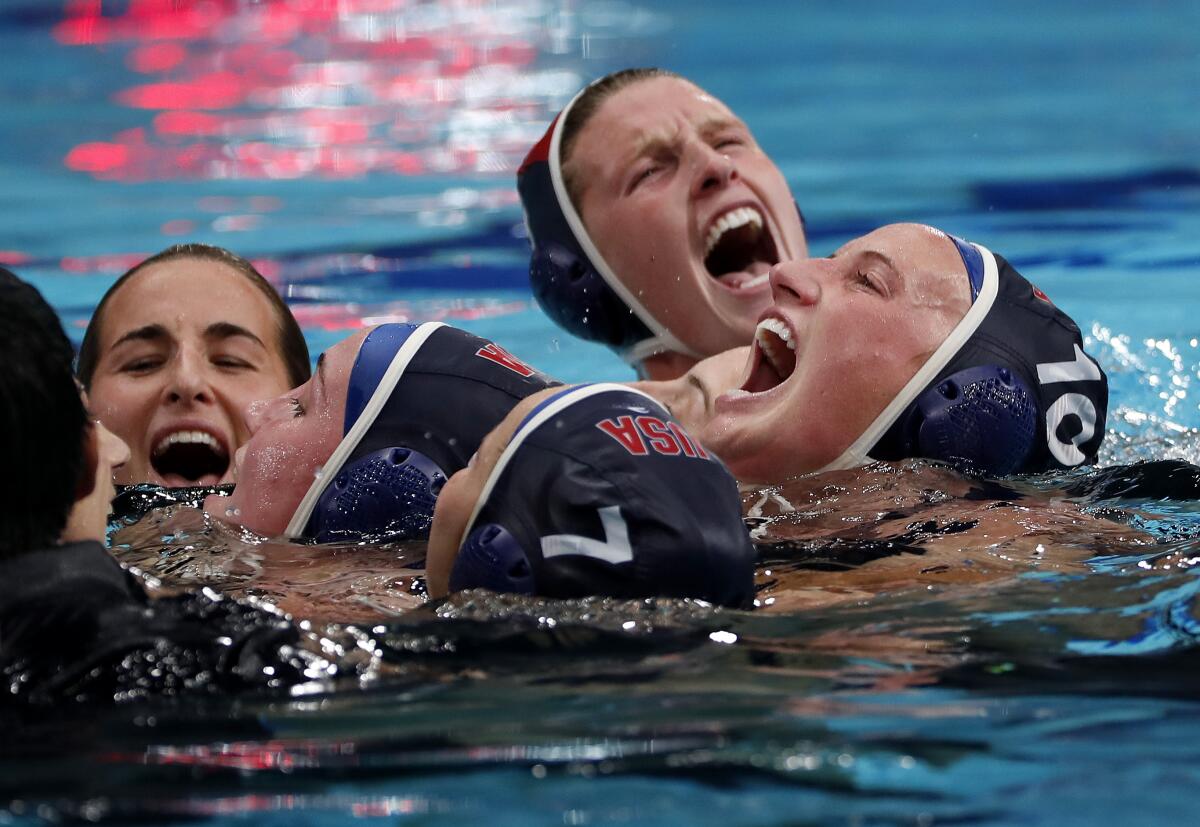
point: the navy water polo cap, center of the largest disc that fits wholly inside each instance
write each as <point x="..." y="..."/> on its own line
<point x="1011" y="390"/>
<point x="601" y="492"/>
<point x="421" y="398"/>
<point x="571" y="281"/>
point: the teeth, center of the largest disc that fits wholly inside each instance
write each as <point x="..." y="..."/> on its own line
<point x="780" y="331"/>
<point x="768" y="335"/>
<point x="731" y="221"/>
<point x="189" y="436"/>
<point x="755" y="282"/>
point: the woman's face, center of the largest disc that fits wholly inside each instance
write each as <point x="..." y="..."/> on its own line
<point x="843" y="336"/>
<point x="184" y="346"/>
<point x="686" y="208"/>
<point x="290" y="439"/>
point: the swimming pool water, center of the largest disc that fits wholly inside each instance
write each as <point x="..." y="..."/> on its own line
<point x="375" y="183"/>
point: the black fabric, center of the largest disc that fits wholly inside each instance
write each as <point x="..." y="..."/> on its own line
<point x="76" y="626"/>
<point x="1023" y="330"/>
<point x="448" y="399"/>
<point x="681" y="507"/>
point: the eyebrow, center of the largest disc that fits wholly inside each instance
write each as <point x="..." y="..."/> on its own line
<point x="883" y="258"/>
<point x="692" y="380"/>
<point x="227" y="330"/>
<point x="320" y="374"/>
<point x="216" y="330"/>
<point x="876" y="254"/>
<point x="148" y="333"/>
<point x="707" y="127"/>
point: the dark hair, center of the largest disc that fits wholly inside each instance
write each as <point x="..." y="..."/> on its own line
<point x="292" y="347"/>
<point x="42" y="420"/>
<point x="586" y="106"/>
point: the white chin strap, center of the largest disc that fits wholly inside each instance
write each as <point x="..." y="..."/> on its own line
<point x="857" y="453"/>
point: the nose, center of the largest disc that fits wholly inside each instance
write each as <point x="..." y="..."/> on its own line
<point x="714" y="170"/>
<point x="188" y="380"/>
<point x="259" y="411"/>
<point x="796" y="282"/>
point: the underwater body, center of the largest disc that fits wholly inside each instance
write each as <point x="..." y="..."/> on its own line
<point x="928" y="648"/>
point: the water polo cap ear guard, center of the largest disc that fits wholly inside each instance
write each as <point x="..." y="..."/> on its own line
<point x="388" y="493"/>
<point x="980" y="419"/>
<point x="570" y="279"/>
<point x="1010" y="390"/>
<point x="491" y="558"/>
<point x="385" y="496"/>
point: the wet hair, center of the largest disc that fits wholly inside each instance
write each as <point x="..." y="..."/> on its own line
<point x="588" y="103"/>
<point x="292" y="347"/>
<point x="42" y="420"/>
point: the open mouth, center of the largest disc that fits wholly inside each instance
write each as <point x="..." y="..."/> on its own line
<point x="739" y="250"/>
<point x="190" y="458"/>
<point x="774" y="356"/>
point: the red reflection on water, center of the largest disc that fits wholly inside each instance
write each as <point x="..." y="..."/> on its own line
<point x="156" y="57"/>
<point x="216" y="90"/>
<point x="324" y="88"/>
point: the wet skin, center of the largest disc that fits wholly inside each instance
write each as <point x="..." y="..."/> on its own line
<point x="185" y="345"/>
<point x="842" y="337"/>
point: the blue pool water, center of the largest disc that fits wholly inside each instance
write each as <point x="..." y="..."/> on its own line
<point x="377" y="185"/>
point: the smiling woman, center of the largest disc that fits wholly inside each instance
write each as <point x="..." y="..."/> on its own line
<point x="177" y="348"/>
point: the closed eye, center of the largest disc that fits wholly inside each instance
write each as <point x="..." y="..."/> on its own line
<point x="872" y="282"/>
<point x="142" y="365"/>
<point x="297" y="406"/>
<point x="642" y="176"/>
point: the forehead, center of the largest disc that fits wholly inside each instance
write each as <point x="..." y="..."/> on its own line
<point x="188" y="292"/>
<point x="341" y="357"/>
<point x="655" y="109"/>
<point x="922" y="254"/>
<point x="651" y="97"/>
<point x="336" y="364"/>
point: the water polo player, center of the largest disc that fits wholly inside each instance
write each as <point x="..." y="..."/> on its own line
<point x="592" y="490"/>
<point x="654" y="218"/>
<point x="906" y="342"/>
<point x="361" y="450"/>
<point x="176" y="349"/>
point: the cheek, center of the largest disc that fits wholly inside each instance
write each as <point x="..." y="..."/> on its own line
<point x="118" y="404"/>
<point x="271" y="483"/>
